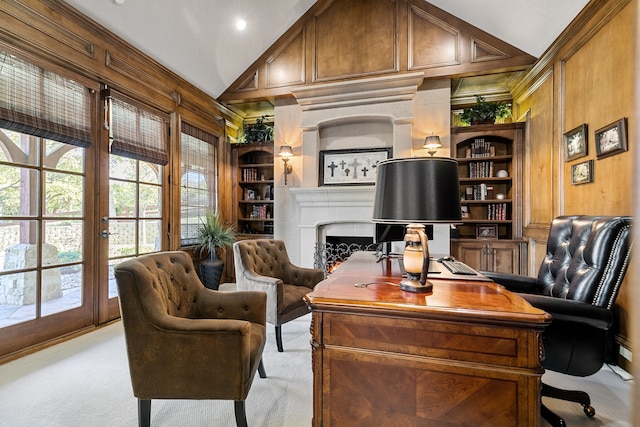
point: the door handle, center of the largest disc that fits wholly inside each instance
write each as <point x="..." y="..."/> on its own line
<point x="105" y="233"/>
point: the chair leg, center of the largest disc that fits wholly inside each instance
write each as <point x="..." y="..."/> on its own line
<point x="241" y="416"/>
<point x="551" y="417"/>
<point x="279" y="338"/>
<point x="261" y="371"/>
<point x="144" y="412"/>
<point x="576" y="396"/>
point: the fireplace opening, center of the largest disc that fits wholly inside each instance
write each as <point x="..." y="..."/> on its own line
<point x="336" y="249"/>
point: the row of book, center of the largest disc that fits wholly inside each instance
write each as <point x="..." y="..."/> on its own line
<point x="479" y="192"/>
<point x="480" y="148"/>
<point x="260" y="212"/>
<point x="480" y="169"/>
<point x="497" y="212"/>
<point x="252" y="174"/>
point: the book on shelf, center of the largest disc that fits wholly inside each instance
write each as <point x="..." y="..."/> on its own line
<point x="482" y="169"/>
<point x="480" y="148"/>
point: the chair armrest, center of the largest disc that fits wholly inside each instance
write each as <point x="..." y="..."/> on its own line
<point x="241" y="305"/>
<point x="301" y="276"/>
<point x="513" y="282"/>
<point x="572" y="311"/>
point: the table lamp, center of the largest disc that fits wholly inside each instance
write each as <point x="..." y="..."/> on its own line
<point x="417" y="191"/>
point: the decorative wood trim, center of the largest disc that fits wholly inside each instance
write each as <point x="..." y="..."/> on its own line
<point x="127" y="69"/>
<point x="29" y="16"/>
<point x="593" y="17"/>
<point x="481" y="51"/>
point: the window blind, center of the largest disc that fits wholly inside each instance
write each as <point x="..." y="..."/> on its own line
<point x="198" y="180"/>
<point x="42" y="103"/>
<point x="137" y="133"/>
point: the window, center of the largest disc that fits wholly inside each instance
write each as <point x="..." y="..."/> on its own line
<point x="198" y="181"/>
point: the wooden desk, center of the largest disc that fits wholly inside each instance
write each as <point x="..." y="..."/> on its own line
<point x="466" y="354"/>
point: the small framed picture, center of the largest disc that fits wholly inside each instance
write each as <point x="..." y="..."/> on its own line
<point x="611" y="139"/>
<point x="464" y="211"/>
<point x="582" y="173"/>
<point x="576" y="142"/>
<point x="487" y="231"/>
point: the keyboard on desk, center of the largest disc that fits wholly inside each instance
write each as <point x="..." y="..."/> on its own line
<point x="458" y="267"/>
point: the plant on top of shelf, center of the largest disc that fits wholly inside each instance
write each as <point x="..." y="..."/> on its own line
<point x="258" y="132"/>
<point x="483" y="112"/>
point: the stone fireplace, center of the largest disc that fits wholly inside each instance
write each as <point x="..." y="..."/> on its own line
<point x="380" y="112"/>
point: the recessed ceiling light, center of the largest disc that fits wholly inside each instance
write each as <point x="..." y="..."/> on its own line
<point x="241" y="24"/>
<point x="118" y="1"/>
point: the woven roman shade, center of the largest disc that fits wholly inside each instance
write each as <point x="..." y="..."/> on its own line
<point x="198" y="180"/>
<point x="42" y="103"/>
<point x="137" y="133"/>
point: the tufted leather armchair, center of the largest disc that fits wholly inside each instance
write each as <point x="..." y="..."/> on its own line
<point x="578" y="282"/>
<point x="263" y="264"/>
<point x="185" y="341"/>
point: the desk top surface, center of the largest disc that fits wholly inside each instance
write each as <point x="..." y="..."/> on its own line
<point x="361" y="283"/>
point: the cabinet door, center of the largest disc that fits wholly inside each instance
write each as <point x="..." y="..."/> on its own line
<point x="504" y="258"/>
<point x="473" y="254"/>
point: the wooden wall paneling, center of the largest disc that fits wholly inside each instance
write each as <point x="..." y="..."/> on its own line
<point x="600" y="95"/>
<point x="432" y="42"/>
<point x="539" y="154"/>
<point x="287" y="65"/>
<point x="593" y="83"/>
<point x="351" y="39"/>
<point x="356" y="38"/>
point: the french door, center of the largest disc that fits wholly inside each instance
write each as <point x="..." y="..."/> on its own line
<point x="131" y="224"/>
<point x="45" y="258"/>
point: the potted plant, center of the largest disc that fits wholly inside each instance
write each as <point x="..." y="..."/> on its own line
<point x="484" y="112"/>
<point x="214" y="235"/>
<point x="258" y="132"/>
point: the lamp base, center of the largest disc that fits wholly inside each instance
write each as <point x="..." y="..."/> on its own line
<point x="410" y="285"/>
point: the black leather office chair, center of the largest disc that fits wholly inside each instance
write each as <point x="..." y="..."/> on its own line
<point x="578" y="282"/>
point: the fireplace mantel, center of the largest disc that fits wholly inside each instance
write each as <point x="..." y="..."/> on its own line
<point x="333" y="196"/>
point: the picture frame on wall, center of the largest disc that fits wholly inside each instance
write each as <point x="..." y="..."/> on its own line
<point x="351" y="167"/>
<point x="611" y="139"/>
<point x="576" y="142"/>
<point x="582" y="173"/>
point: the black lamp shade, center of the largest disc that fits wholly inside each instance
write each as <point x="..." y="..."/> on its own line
<point x="417" y="190"/>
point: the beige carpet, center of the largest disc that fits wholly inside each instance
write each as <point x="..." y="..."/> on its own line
<point x="85" y="383"/>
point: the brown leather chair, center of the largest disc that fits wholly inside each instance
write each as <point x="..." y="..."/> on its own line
<point x="263" y="264"/>
<point x="185" y="341"/>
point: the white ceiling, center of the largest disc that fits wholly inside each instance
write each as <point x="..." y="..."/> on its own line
<point x="197" y="39"/>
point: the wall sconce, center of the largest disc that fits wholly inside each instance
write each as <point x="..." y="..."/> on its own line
<point x="432" y="143"/>
<point x="286" y="152"/>
<point x="417" y="191"/>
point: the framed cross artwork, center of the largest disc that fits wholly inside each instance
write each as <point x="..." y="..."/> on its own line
<point x="351" y="167"/>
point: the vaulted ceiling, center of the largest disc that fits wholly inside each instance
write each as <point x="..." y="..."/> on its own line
<point x="197" y="39"/>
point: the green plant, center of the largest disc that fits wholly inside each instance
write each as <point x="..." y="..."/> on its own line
<point x="485" y="112"/>
<point x="215" y="234"/>
<point x="258" y="132"/>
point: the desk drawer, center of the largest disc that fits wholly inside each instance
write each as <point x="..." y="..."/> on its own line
<point x="504" y="346"/>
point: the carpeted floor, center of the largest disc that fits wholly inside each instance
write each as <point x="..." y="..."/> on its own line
<point x="85" y="383"/>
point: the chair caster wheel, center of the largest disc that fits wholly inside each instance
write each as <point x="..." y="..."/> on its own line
<point x="588" y="409"/>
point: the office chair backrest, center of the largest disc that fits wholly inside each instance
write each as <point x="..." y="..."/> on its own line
<point x="587" y="258"/>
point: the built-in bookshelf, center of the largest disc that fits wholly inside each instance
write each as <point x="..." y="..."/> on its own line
<point x="253" y="163"/>
<point x="490" y="169"/>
